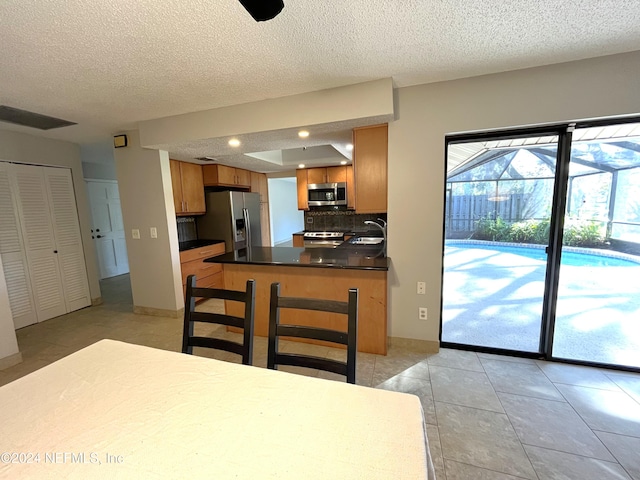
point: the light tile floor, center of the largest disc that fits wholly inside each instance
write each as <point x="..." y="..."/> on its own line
<point x="488" y="417"/>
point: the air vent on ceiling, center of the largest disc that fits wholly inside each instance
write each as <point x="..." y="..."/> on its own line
<point x="207" y="159"/>
<point x="30" y="119"/>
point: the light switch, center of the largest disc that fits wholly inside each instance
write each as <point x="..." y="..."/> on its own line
<point x="135" y="233"/>
<point x="153" y="231"/>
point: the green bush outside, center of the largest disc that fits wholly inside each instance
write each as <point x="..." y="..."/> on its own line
<point x="577" y="233"/>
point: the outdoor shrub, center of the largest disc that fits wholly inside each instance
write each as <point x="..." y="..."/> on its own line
<point x="577" y="233"/>
<point x="488" y="229"/>
<point x="583" y="233"/>
<point x="530" y="231"/>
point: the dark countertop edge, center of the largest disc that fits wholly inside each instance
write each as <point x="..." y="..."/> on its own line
<point x="298" y="265"/>
<point x="293" y="255"/>
<point x="191" y="244"/>
<point x="368" y="233"/>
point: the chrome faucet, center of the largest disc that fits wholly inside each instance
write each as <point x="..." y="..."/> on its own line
<point x="382" y="227"/>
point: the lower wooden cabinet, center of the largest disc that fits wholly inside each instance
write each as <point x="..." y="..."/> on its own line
<point x="298" y="240"/>
<point x="208" y="275"/>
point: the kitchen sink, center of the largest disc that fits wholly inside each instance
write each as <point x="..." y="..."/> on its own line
<point x="366" y="240"/>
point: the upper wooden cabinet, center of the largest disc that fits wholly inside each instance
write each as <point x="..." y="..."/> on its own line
<point x="259" y="185"/>
<point x="303" y="196"/>
<point x="188" y="188"/>
<point x="327" y="175"/>
<point x="221" y="175"/>
<point x="343" y="173"/>
<point x="370" y="168"/>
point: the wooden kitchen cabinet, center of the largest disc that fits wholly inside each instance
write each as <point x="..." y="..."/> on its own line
<point x="303" y="196"/>
<point x="265" y="224"/>
<point x="259" y="185"/>
<point x="341" y="174"/>
<point x="298" y="240"/>
<point x="316" y="175"/>
<point x="188" y="188"/>
<point x="327" y="175"/>
<point x="224" y="176"/>
<point x="370" y="168"/>
<point x="243" y="177"/>
<point x="208" y="275"/>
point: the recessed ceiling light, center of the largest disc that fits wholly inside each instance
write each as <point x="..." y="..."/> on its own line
<point x="343" y="162"/>
<point x="301" y="165"/>
<point x="234" y="142"/>
<point x="303" y="134"/>
<point x="349" y="146"/>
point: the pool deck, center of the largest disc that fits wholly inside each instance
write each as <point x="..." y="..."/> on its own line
<point x="493" y="298"/>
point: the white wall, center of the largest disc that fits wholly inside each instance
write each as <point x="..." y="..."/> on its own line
<point x="606" y="86"/>
<point x="283" y="209"/>
<point x="8" y="342"/>
<point x="97" y="161"/>
<point x="146" y="197"/>
<point x="372" y="101"/>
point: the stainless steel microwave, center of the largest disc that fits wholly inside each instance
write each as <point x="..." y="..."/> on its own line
<point x="327" y="194"/>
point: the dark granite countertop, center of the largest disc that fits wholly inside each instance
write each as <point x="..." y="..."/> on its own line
<point x="203" y="242"/>
<point x="343" y="258"/>
<point x="362" y="232"/>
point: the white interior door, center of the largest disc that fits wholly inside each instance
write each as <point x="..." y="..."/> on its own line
<point x="14" y="259"/>
<point x="108" y="228"/>
<point x="68" y="241"/>
<point x="39" y="243"/>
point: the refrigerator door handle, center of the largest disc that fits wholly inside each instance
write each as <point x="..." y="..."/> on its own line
<point x="247" y="225"/>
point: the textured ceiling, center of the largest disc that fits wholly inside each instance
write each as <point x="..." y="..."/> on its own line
<point x="111" y="63"/>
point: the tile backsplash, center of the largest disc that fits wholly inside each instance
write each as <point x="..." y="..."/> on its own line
<point x="186" y="229"/>
<point x="338" y="221"/>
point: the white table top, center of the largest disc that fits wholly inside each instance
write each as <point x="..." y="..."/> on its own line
<point x="116" y="410"/>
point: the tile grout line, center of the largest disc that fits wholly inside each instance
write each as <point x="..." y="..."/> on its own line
<point x="514" y="429"/>
<point x="490" y="469"/>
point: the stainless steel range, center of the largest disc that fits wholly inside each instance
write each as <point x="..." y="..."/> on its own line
<point x="323" y="239"/>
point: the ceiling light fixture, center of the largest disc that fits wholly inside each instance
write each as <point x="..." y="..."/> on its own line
<point x="303" y="133"/>
<point x="343" y="162"/>
<point x="234" y="142"/>
<point x="349" y="146"/>
<point x="262" y="10"/>
<point x="301" y="165"/>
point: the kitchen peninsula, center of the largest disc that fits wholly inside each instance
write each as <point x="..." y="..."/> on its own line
<point x="326" y="273"/>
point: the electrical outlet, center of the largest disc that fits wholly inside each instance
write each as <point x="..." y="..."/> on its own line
<point x="422" y="288"/>
<point x="153" y="231"/>
<point x="135" y="233"/>
<point x="422" y="313"/>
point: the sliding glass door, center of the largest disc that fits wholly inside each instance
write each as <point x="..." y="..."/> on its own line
<point x="542" y="243"/>
<point x="597" y="316"/>
<point x="498" y="205"/>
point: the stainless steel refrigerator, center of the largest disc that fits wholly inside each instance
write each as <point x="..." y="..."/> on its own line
<point x="233" y="217"/>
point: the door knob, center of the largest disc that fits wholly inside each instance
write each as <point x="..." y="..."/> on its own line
<point x="99" y="236"/>
<point x="55" y="251"/>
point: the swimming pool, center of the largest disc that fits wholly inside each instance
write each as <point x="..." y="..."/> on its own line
<point x="571" y="256"/>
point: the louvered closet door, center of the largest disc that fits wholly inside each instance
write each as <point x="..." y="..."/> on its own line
<point x="66" y="230"/>
<point x="39" y="243"/>
<point x="14" y="260"/>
